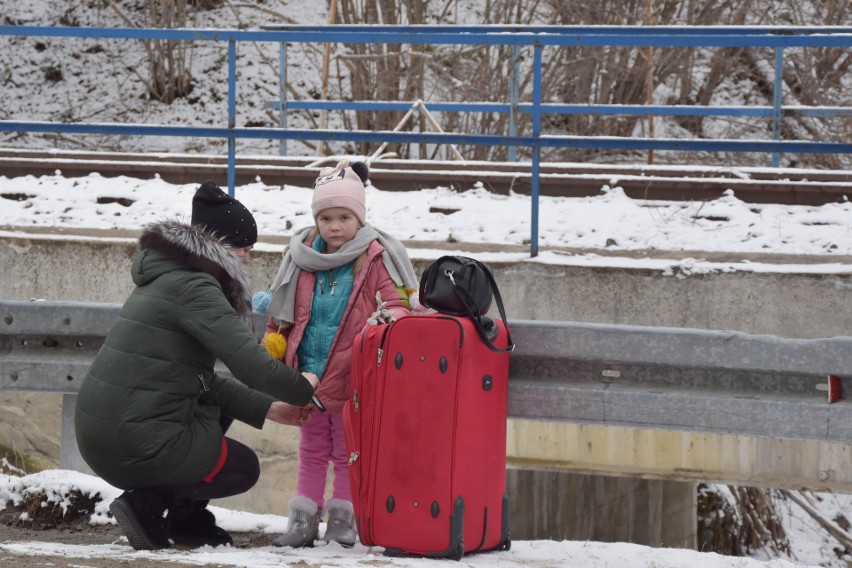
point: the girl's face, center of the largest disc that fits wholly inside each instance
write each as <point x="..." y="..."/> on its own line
<point x="337" y="226"/>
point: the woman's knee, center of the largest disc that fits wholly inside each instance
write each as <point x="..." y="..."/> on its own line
<point x="245" y="460"/>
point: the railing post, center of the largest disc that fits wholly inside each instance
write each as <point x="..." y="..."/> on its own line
<point x="69" y="452"/>
<point x="536" y="149"/>
<point x="232" y="105"/>
<point x="513" y="100"/>
<point x="778" y="90"/>
<point x="282" y="95"/>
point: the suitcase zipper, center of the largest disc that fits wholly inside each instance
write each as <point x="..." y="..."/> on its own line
<point x="364" y="478"/>
<point x="368" y="471"/>
<point x="381" y="349"/>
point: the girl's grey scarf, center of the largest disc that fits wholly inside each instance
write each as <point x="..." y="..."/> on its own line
<point x="300" y="256"/>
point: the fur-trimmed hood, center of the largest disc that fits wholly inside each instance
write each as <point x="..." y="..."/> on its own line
<point x="199" y="250"/>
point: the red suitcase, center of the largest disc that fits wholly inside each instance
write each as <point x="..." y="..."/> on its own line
<point x="426" y="434"/>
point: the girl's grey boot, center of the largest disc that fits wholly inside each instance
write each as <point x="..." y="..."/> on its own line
<point x="302" y="523"/>
<point x="341" y="523"/>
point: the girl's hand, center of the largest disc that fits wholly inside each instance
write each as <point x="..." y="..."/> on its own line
<point x="305" y="413"/>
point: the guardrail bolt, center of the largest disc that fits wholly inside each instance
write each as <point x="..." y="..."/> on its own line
<point x="13" y="377"/>
<point x="8" y="319"/>
<point x="66" y="320"/>
<point x="69" y="378"/>
<point x="822" y="475"/>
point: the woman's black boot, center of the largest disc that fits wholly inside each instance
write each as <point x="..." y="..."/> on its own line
<point x="192" y="524"/>
<point x="139" y="513"/>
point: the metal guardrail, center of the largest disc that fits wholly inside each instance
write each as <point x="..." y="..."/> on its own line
<point x="612" y="375"/>
<point x="721" y="382"/>
<point x="536" y="38"/>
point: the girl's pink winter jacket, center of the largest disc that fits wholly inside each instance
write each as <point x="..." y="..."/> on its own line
<point x="334" y="386"/>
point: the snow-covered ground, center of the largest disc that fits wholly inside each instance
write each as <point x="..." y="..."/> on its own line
<point x="610" y="222"/>
<point x="57" y="484"/>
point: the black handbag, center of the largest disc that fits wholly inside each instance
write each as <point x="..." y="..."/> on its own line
<point x="463" y="286"/>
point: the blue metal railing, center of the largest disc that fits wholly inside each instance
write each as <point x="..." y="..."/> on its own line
<point x="535" y="37"/>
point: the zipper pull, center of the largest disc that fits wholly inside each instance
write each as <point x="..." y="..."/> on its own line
<point x="381" y="352"/>
<point x="355" y="402"/>
<point x="333" y="284"/>
<point x="204" y="386"/>
<point x="322" y="287"/>
<point x="353" y="457"/>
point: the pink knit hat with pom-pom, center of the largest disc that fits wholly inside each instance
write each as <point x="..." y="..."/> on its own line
<point x="342" y="186"/>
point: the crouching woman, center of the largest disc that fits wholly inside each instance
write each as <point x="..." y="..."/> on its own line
<point x="151" y="413"/>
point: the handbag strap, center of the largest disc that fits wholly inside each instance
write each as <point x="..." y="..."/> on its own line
<point x="467" y="302"/>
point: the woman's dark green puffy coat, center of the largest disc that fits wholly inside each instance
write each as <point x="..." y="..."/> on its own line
<point x="148" y="410"/>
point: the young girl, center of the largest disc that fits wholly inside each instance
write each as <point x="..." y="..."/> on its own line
<point x="332" y="279"/>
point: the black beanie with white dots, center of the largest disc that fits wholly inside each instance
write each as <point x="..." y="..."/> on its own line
<point x="224" y="216"/>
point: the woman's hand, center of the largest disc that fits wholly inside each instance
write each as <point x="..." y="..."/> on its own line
<point x="278" y="412"/>
<point x="312" y="378"/>
<point x="288" y="414"/>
